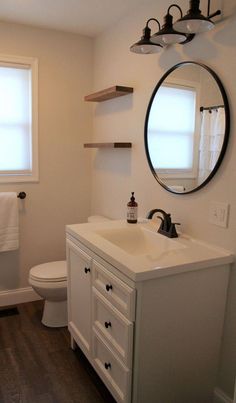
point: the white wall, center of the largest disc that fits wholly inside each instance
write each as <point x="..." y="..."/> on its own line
<point x="62" y="195"/>
<point x="115" y="173"/>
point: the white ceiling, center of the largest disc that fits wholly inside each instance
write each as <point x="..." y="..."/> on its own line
<point x="87" y="17"/>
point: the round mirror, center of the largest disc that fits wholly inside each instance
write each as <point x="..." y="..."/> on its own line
<point x="186" y="127"/>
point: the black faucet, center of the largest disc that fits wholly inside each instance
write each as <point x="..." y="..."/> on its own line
<point x="166" y="228"/>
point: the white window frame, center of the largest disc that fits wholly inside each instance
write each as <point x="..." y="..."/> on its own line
<point x="32" y="64"/>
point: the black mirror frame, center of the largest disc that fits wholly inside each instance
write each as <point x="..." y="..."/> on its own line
<point x="227" y="126"/>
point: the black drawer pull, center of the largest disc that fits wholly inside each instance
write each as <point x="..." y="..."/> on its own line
<point x="86" y="270"/>
<point x="107" y="324"/>
<point x="108" y="287"/>
<point x="107" y="365"/>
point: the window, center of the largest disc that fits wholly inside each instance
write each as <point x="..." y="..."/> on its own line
<point x="18" y="119"/>
<point x="172" y="133"/>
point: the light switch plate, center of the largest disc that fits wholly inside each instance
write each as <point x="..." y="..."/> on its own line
<point x="218" y="213"/>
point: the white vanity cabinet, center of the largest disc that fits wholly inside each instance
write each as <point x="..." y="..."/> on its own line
<point x="101" y="311"/>
<point x="154" y="340"/>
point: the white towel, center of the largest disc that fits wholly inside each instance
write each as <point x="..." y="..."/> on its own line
<point x="9" y="228"/>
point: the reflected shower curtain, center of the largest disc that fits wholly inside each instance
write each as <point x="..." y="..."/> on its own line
<point x="211" y="140"/>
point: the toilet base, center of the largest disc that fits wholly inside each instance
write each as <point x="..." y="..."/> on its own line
<point x="55" y="314"/>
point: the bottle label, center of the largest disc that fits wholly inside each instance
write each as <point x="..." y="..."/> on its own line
<point x="132" y="213"/>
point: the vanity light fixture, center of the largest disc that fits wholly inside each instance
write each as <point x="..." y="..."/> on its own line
<point x="145" y="45"/>
<point x="182" y="31"/>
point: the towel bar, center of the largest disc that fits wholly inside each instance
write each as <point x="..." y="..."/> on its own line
<point x="22" y="195"/>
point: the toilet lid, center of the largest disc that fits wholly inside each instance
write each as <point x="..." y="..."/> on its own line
<point x="52" y="271"/>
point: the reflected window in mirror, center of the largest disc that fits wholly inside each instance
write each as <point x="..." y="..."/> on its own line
<point x="175" y="135"/>
<point x="184" y="140"/>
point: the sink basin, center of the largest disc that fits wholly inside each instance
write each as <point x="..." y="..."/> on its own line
<point x="140" y="253"/>
<point x="138" y="240"/>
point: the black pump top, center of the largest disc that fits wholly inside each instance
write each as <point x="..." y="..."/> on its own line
<point x="132" y="197"/>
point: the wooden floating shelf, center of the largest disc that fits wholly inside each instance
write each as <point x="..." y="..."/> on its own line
<point x="109" y="93"/>
<point x="108" y="145"/>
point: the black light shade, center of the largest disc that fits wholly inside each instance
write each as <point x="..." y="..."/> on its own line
<point x="194" y="22"/>
<point x="145" y="45"/>
<point x="167" y="35"/>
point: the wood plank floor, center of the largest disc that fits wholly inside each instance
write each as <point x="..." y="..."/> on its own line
<point x="37" y="364"/>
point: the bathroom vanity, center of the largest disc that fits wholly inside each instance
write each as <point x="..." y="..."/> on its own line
<point x="147" y="311"/>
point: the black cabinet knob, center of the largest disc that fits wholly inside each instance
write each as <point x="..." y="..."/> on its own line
<point x="86" y="270"/>
<point x="107" y="324"/>
<point x="107" y="365"/>
<point x="108" y="287"/>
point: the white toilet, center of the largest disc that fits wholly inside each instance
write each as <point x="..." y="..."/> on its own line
<point x="49" y="280"/>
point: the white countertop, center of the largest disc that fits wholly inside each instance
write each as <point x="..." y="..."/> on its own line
<point x="180" y="254"/>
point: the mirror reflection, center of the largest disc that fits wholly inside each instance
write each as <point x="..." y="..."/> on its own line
<point x="186" y="129"/>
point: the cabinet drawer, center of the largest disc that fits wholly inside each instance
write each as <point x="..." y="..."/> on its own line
<point x="114" y="290"/>
<point x="114" y="327"/>
<point x="114" y="374"/>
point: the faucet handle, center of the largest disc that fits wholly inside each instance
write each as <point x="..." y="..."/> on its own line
<point x="172" y="231"/>
<point x="165" y="223"/>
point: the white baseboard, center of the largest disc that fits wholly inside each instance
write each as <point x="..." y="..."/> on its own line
<point x="221" y="397"/>
<point x="18" y="296"/>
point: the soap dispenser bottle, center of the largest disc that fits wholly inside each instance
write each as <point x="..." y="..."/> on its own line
<point x="132" y="210"/>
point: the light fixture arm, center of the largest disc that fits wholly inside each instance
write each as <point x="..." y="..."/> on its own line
<point x="208" y="7"/>
<point x="175" y="5"/>
<point x="153" y="19"/>
<point x="218" y="12"/>
<point x="147" y="30"/>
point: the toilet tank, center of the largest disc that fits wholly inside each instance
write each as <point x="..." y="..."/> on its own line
<point x="98" y="218"/>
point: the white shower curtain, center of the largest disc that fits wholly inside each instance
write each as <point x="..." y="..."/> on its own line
<point x="211" y="140"/>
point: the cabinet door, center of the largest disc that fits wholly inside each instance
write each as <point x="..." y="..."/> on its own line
<point x="79" y="296"/>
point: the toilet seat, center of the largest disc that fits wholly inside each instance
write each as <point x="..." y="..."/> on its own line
<point x="49" y="272"/>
